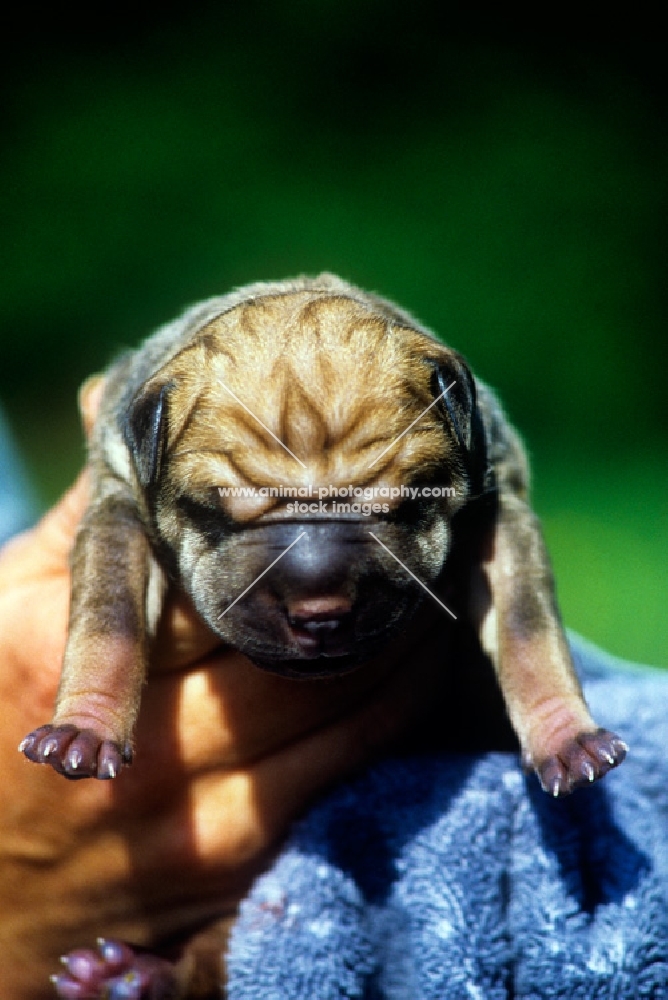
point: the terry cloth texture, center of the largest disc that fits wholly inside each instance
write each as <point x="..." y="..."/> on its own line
<point x="457" y="877"/>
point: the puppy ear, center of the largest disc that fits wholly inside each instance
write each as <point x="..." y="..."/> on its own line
<point x="454" y="385"/>
<point x="145" y="431"/>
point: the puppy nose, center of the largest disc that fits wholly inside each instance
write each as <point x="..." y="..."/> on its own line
<point x="318" y="565"/>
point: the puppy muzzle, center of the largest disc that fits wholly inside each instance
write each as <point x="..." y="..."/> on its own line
<point x="324" y="604"/>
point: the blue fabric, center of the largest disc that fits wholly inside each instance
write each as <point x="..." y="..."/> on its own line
<point x="457" y="877"/>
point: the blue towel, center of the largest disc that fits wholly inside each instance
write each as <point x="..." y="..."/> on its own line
<point x="455" y="876"/>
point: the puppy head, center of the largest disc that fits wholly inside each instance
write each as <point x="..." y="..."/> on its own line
<point x="299" y="458"/>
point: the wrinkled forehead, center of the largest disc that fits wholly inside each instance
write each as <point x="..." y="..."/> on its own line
<point x="303" y="386"/>
<point x="280" y="352"/>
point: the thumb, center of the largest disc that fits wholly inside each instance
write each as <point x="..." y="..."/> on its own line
<point x="45" y="548"/>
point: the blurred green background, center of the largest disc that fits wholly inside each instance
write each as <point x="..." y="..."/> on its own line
<point x="505" y="182"/>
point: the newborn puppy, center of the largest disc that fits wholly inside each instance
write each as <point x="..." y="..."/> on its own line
<point x="309" y="464"/>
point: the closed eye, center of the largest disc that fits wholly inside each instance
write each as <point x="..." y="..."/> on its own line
<point x="208" y="516"/>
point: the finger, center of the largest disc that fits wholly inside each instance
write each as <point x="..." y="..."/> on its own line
<point x="280" y="784"/>
<point x="59" y="525"/>
<point x="283" y="785"/>
<point x="90" y="397"/>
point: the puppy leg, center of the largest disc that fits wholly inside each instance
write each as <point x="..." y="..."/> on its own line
<point x="104" y="665"/>
<point x="523" y="635"/>
<point x="522" y="632"/>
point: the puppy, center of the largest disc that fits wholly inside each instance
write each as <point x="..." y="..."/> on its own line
<point x="313" y="468"/>
<point x="308" y="462"/>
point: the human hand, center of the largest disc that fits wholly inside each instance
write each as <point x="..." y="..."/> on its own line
<point x="227" y="756"/>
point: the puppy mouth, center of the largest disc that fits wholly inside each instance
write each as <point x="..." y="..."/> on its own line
<point x="321" y="634"/>
<point x="319" y="639"/>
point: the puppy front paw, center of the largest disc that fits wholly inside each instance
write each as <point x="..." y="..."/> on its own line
<point x="580" y="761"/>
<point x="114" y="972"/>
<point x="75" y="753"/>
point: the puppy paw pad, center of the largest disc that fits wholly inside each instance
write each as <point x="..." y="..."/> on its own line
<point x="75" y="753"/>
<point x="114" y="972"/>
<point x="581" y="761"/>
